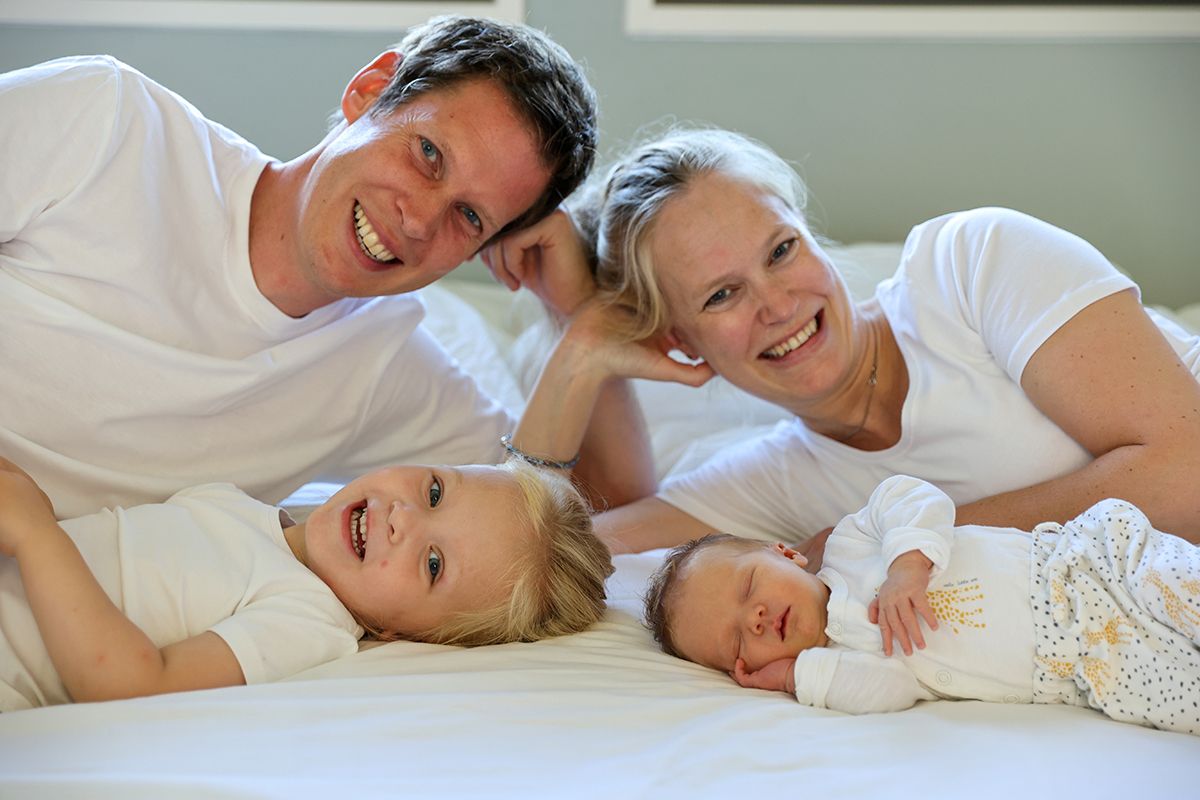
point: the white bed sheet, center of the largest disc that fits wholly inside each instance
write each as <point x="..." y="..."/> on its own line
<point x="601" y="714"/>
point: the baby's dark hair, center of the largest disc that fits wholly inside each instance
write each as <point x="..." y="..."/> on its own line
<point x="664" y="583"/>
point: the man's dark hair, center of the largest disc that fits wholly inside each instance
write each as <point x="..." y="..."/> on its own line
<point x="547" y="88"/>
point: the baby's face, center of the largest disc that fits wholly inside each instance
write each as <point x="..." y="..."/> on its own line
<point x="758" y="605"/>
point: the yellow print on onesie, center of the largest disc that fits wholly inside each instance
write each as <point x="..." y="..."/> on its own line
<point x="1185" y="618"/>
<point x="959" y="605"/>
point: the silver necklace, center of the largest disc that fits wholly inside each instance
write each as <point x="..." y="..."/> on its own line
<point x="871" y="381"/>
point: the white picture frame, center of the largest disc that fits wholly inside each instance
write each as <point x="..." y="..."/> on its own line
<point x="903" y="21"/>
<point x="336" y="15"/>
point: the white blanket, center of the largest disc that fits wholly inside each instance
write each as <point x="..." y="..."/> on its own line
<point x="601" y="714"/>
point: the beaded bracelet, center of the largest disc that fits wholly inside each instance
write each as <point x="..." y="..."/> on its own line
<point x="506" y="440"/>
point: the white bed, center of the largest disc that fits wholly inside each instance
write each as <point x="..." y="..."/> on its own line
<point x="602" y="714"/>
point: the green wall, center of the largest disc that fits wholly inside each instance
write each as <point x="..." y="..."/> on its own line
<point x="1098" y="137"/>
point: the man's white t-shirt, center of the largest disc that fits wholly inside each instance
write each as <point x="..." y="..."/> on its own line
<point x="209" y="558"/>
<point x="137" y="355"/>
<point x="976" y="293"/>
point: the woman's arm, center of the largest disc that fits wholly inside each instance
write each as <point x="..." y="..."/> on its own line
<point x="583" y="403"/>
<point x="647" y="524"/>
<point x="1111" y="381"/>
<point x="98" y="652"/>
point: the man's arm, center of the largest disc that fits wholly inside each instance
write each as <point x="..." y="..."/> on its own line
<point x="98" y="652"/>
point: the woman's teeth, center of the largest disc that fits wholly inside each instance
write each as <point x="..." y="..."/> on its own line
<point x="783" y="348"/>
<point x="368" y="240"/>
<point x="358" y="532"/>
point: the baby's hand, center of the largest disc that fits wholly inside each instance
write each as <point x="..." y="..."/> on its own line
<point x="778" y="676"/>
<point x="900" y="600"/>
<point x="23" y="506"/>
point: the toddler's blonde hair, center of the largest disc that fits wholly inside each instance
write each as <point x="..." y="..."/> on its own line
<point x="556" y="582"/>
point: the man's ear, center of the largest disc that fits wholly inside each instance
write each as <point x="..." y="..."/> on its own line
<point x="365" y="87"/>
<point x="679" y="344"/>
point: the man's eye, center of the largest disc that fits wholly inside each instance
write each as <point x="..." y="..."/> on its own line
<point x="718" y="297"/>
<point x="429" y="151"/>
<point x="435" y="492"/>
<point x="472" y="218"/>
<point x="434" y="561"/>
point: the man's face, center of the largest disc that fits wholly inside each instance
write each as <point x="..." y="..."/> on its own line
<point x="395" y="201"/>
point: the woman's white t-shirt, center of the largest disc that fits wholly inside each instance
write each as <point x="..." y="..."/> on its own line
<point x="975" y="295"/>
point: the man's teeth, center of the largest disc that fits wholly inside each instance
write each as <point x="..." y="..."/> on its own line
<point x="368" y="240"/>
<point x="358" y="531"/>
<point x="783" y="348"/>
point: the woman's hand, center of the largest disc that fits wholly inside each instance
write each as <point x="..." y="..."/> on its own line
<point x="595" y="336"/>
<point x="902" y="602"/>
<point x="549" y="259"/>
<point x="778" y="676"/>
<point x="23" y="507"/>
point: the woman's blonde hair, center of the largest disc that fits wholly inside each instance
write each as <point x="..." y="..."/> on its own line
<point x="556" y="582"/>
<point x="617" y="214"/>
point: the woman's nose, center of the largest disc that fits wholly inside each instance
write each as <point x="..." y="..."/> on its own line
<point x="776" y="304"/>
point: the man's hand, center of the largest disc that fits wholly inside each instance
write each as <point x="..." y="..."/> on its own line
<point x="548" y="259"/>
<point x="902" y="602"/>
<point x="778" y="676"/>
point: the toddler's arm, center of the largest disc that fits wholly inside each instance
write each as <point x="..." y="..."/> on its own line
<point x="98" y="652"/>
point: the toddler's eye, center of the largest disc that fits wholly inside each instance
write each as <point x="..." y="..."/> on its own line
<point x="435" y="492"/>
<point x="718" y="297"/>
<point x="434" y="561"/>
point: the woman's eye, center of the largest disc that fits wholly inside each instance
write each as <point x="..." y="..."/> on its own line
<point x="435" y="492"/>
<point x="782" y="249"/>
<point x="718" y="297"/>
<point x="434" y="562"/>
<point x="472" y="218"/>
<point x="429" y="151"/>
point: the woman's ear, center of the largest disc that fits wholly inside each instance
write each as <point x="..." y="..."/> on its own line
<point x="677" y="343"/>
<point x="365" y="87"/>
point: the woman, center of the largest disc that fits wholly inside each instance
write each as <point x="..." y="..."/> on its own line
<point x="1006" y="361"/>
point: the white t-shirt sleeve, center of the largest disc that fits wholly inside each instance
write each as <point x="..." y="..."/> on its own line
<point x="906" y="514"/>
<point x="285" y="633"/>
<point x="855" y="682"/>
<point x="56" y="119"/>
<point x="771" y="488"/>
<point x="1013" y="278"/>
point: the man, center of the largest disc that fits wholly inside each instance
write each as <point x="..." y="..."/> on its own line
<point x="178" y="308"/>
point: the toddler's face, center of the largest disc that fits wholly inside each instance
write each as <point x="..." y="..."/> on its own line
<point x="759" y="605"/>
<point x="407" y="548"/>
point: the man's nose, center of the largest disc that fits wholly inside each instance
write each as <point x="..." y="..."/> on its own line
<point x="420" y="216"/>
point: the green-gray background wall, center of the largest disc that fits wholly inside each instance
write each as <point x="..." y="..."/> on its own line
<point x="1099" y="137"/>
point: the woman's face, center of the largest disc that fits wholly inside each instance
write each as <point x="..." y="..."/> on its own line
<point x="748" y="290"/>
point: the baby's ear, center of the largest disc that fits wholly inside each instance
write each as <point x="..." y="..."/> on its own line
<point x="790" y="554"/>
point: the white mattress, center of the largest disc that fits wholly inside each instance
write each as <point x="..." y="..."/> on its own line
<point x="601" y="714"/>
